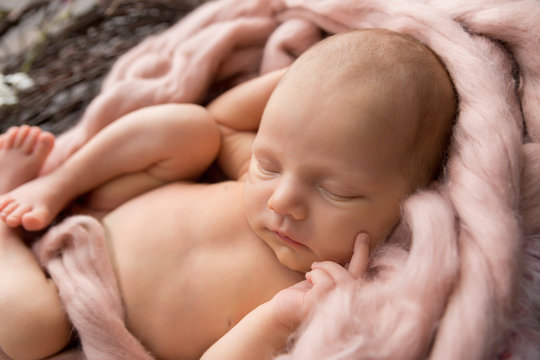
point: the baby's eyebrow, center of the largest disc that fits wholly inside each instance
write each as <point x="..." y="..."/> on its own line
<point x="346" y="185"/>
<point x="354" y="180"/>
<point x="262" y="148"/>
<point x="259" y="152"/>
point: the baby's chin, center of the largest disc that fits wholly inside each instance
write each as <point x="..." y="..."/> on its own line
<point x="295" y="267"/>
<point x="293" y="263"/>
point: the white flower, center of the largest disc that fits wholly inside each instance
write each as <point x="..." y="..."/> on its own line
<point x="7" y="96"/>
<point x="10" y="84"/>
<point x="19" y="80"/>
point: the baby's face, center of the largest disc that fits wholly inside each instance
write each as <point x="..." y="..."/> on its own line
<point x="323" y="170"/>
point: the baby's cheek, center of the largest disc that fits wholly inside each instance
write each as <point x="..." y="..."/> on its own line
<point x="340" y="250"/>
<point x="388" y="217"/>
<point x="248" y="200"/>
<point x="255" y="200"/>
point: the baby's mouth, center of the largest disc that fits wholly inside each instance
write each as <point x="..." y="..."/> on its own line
<point x="286" y="239"/>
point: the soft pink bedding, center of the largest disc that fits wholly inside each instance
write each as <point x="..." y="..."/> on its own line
<point x="460" y="277"/>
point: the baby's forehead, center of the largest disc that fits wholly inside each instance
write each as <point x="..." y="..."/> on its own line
<point x="349" y="117"/>
<point x="374" y="56"/>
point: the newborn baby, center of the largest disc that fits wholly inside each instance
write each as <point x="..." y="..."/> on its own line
<point x="319" y="159"/>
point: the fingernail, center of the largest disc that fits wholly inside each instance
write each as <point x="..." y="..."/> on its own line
<point x="363" y="238"/>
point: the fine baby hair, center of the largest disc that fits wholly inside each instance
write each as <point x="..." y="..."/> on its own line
<point x="405" y="76"/>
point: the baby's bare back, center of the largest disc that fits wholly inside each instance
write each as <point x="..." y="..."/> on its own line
<point x="189" y="266"/>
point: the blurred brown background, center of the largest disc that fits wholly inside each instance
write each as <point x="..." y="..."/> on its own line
<point x="67" y="46"/>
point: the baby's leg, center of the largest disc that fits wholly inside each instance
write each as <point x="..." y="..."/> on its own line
<point x="144" y="149"/>
<point x="32" y="322"/>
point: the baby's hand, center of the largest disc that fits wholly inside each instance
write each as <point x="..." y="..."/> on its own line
<point x="292" y="305"/>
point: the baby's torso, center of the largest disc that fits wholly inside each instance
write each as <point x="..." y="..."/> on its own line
<point x="189" y="266"/>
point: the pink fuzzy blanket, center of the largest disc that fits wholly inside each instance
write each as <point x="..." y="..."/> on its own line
<point x="460" y="277"/>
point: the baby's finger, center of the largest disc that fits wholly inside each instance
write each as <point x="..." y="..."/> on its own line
<point x="360" y="258"/>
<point x="337" y="272"/>
<point x="302" y="286"/>
<point x="320" y="279"/>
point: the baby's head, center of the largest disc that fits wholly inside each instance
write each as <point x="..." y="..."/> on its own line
<point x="359" y="122"/>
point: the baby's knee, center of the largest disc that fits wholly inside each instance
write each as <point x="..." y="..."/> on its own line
<point x="192" y="123"/>
<point x="184" y="119"/>
<point x="33" y="326"/>
<point x="180" y="113"/>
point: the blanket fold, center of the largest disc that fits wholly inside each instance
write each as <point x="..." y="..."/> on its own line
<point x="486" y="210"/>
<point x="75" y="255"/>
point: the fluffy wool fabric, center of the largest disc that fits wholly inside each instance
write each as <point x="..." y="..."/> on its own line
<point x="459" y="278"/>
<point x="75" y="254"/>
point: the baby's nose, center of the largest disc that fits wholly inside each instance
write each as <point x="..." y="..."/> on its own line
<point x="287" y="200"/>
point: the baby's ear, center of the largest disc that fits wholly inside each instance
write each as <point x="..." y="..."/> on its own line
<point x="360" y="258"/>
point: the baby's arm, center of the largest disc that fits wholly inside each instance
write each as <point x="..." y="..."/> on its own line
<point x="238" y="113"/>
<point x="264" y="332"/>
<point x="259" y="335"/>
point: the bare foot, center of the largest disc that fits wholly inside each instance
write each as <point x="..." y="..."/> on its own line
<point x="23" y="151"/>
<point x="35" y="204"/>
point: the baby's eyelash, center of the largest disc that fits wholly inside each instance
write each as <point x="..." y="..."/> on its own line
<point x="337" y="197"/>
<point x="265" y="169"/>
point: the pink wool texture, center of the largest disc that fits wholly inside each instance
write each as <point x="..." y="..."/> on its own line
<point x="75" y="255"/>
<point x="460" y="276"/>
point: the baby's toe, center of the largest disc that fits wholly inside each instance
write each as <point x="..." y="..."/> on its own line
<point x="8" y="207"/>
<point x="7" y="214"/>
<point x="9" y="137"/>
<point x="36" y="219"/>
<point x="4" y="202"/>
<point x="14" y="217"/>
<point x="20" y="137"/>
<point x="44" y="144"/>
<point x="29" y="141"/>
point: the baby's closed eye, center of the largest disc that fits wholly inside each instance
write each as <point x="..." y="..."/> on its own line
<point x="339" y="194"/>
<point x="266" y="168"/>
